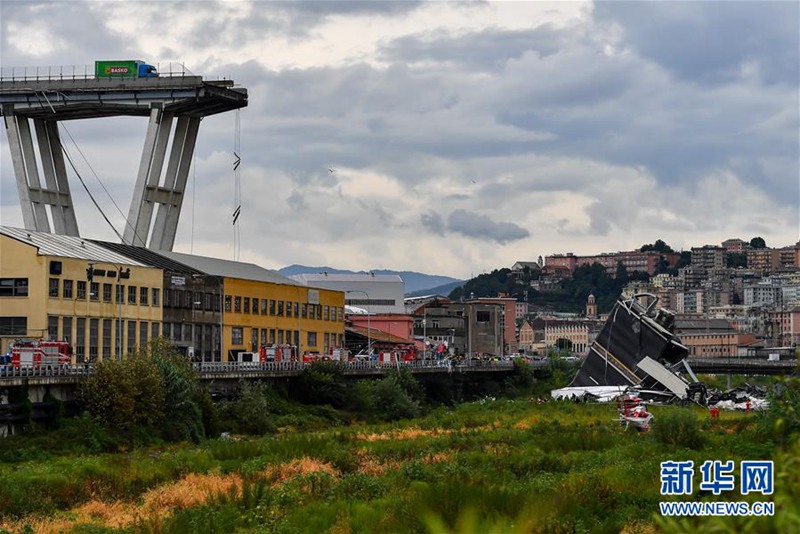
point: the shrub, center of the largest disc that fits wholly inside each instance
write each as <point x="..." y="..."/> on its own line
<point x="679" y="428"/>
<point x="153" y="391"/>
<point x="390" y="401"/>
<point x="250" y="413"/>
<point x="781" y="421"/>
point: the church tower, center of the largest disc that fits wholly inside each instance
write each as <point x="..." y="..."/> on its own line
<point x="591" y="307"/>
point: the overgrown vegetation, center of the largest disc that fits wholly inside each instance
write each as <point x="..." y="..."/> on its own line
<point x="395" y="454"/>
<point x="152" y="392"/>
<point x="485" y="466"/>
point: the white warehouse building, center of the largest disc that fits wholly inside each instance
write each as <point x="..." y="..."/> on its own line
<point x="376" y="293"/>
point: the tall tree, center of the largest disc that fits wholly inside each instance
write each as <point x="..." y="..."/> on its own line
<point x="758" y="242"/>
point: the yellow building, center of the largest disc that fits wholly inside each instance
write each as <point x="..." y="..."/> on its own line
<point x="46" y="293"/>
<point x="259" y="308"/>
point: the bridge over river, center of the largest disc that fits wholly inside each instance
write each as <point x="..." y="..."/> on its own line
<point x="216" y="371"/>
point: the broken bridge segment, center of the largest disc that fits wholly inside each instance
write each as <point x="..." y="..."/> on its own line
<point x="182" y="101"/>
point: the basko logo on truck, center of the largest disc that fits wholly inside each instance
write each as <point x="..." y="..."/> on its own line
<point x="117" y="70"/>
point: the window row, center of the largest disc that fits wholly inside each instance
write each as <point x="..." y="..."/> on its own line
<point x="93" y="338"/>
<point x="281" y="308"/>
<point x="275" y="336"/>
<point x="122" y="294"/>
<point x="191" y="300"/>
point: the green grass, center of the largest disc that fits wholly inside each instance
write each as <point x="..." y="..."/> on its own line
<point x="496" y="466"/>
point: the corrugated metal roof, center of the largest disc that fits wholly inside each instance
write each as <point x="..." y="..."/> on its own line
<point x="148" y="257"/>
<point x="228" y="268"/>
<point x="66" y="246"/>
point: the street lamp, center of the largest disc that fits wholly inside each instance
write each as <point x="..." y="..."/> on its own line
<point x="369" y="329"/>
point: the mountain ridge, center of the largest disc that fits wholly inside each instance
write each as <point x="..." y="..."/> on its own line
<point x="414" y="281"/>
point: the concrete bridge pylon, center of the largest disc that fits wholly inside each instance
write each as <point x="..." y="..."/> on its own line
<point x="174" y="106"/>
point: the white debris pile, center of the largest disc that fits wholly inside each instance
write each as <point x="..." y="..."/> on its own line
<point x="752" y="398"/>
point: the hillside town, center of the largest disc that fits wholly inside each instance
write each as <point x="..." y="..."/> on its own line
<point x="106" y="299"/>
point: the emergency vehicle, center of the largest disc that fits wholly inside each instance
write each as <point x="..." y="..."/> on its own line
<point x="34" y="353"/>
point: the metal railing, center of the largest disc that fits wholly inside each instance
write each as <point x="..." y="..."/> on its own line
<point x="78" y="72"/>
<point x="9" y="371"/>
<point x="254" y="368"/>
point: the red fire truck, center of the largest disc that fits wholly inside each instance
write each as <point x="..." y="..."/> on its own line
<point x="34" y="353"/>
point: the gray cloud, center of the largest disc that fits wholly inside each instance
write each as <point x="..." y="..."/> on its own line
<point x="483" y="227"/>
<point x="484" y="50"/>
<point x="433" y="222"/>
<point x="614" y="124"/>
<point x="707" y="42"/>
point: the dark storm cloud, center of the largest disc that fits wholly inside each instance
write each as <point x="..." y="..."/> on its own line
<point x="487" y="49"/>
<point x="483" y="227"/>
<point x="707" y="42"/>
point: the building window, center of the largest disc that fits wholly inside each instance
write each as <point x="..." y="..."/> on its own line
<point x="237" y="304"/>
<point x="13" y="287"/>
<point x="280" y="308"/>
<point x="131" y="335"/>
<point x="280" y="337"/>
<point x="52" y="327"/>
<point x="297" y="309"/>
<point x="120" y="294"/>
<point x="144" y="292"/>
<point x="482" y="316"/>
<point x="327" y="338"/>
<point x="237" y="336"/>
<point x="154" y="330"/>
<point x="255" y="306"/>
<point x="263" y="336"/>
<point x="247" y="305"/>
<point x="94" y="326"/>
<point x="311" y="339"/>
<point x="143" y="327"/>
<point x="94" y="292"/>
<point x="80" y="338"/>
<point x="106" y="292"/>
<point x="227" y="303"/>
<point x="254" y="343"/>
<point x="272" y="307"/>
<point x="106" y="339"/>
<point x="325" y="314"/>
<point x="67" y="329"/>
<point x="264" y="306"/>
<point x="156" y="297"/>
<point x="304" y="311"/>
<point x="81" y="290"/>
<point x="67" y="289"/>
<point x="271" y="336"/>
<point x="131" y="294"/>
<point x="118" y="337"/>
<point x="53" y="288"/>
<point x="288" y="309"/>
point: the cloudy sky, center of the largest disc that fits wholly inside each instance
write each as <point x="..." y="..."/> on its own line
<point x="464" y="136"/>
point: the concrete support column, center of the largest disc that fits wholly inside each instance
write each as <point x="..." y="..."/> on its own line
<point x="180" y="159"/>
<point x="55" y="174"/>
<point x="155" y="146"/>
<point x="34" y="214"/>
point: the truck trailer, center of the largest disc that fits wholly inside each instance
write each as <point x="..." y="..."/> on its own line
<point x="133" y="68"/>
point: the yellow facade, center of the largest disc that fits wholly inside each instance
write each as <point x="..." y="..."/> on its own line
<point x="312" y="320"/>
<point x="67" y="306"/>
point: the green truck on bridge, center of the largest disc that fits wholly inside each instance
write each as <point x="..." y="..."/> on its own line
<point x="133" y="68"/>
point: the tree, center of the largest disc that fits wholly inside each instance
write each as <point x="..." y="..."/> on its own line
<point x="736" y="259"/>
<point x="686" y="259"/>
<point x="658" y="246"/>
<point x="153" y="391"/>
<point x="758" y="242"/>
